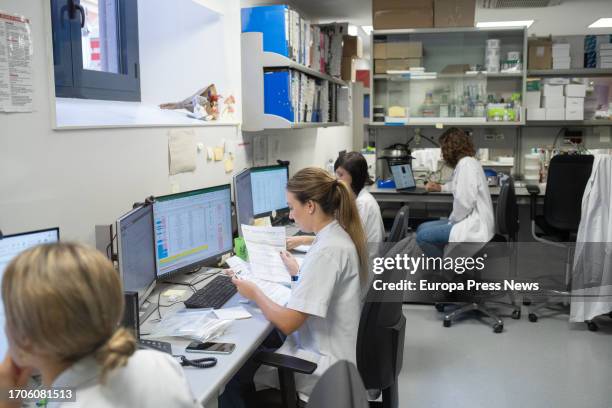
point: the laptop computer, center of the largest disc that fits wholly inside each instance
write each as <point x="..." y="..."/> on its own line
<point x="404" y="180"/>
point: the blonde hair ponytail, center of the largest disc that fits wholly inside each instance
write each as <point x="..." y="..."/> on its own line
<point x="335" y="198"/>
<point x="115" y="352"/>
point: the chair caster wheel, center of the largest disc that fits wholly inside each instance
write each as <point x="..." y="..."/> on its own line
<point x="498" y="328"/>
<point x="533" y="317"/>
<point x="526" y="302"/>
<point x="516" y="314"/>
<point x="446" y="323"/>
<point x="439" y="307"/>
<point x="592" y="326"/>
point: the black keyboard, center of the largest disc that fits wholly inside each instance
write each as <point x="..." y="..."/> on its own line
<point x="155" y="345"/>
<point x="214" y="295"/>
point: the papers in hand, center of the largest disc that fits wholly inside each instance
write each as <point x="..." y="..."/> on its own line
<point x="277" y="292"/>
<point x="302" y="248"/>
<point x="264" y="245"/>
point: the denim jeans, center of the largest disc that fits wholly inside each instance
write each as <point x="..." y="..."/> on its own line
<point x="432" y="236"/>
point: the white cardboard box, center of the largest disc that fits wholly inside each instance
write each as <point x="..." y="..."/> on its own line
<point x="553" y="102"/>
<point x="575" y="90"/>
<point x="574" y="103"/>
<point x="552" y="90"/>
<point x="574" y="114"/>
<point x="533" y="99"/>
<point x="555" y="114"/>
<point x="536" y="114"/>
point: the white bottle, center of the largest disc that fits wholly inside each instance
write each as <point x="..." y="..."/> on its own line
<point x="330" y="168"/>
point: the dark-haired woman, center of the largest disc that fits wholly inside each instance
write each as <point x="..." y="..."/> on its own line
<point x="472" y="217"/>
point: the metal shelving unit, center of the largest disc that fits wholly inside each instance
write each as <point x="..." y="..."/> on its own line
<point x="575" y="72"/>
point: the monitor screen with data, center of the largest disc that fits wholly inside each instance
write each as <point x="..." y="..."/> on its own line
<point x="10" y="247"/>
<point x="136" y="249"/>
<point x="269" y="189"/>
<point x="191" y="229"/>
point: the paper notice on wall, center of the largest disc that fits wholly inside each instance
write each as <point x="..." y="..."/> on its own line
<point x="15" y="64"/>
<point x="182" y="151"/>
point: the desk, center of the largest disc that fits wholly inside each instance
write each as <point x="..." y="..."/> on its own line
<point x="206" y="384"/>
<point x="391" y="195"/>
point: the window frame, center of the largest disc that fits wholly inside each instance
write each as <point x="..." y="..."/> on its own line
<point x="71" y="79"/>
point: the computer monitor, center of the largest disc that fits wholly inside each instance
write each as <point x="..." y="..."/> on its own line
<point x="243" y="199"/>
<point x="403" y="177"/>
<point x="191" y="229"/>
<point x="136" y="250"/>
<point x="268" y="188"/>
<point x="10" y="247"/>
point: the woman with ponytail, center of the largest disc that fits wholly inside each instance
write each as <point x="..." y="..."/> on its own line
<point x="322" y="316"/>
<point x="63" y="306"/>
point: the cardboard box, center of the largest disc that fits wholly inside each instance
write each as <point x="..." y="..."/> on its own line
<point x="555" y="114"/>
<point x="382" y="66"/>
<point x="575" y="90"/>
<point x="574" y="103"/>
<point x="398" y="50"/>
<point x="536" y="114"/>
<point x="540" y="53"/>
<point x="347" y="72"/>
<point x="574" y="114"/>
<point x="394" y="14"/>
<point x="549" y="102"/>
<point x="533" y="99"/>
<point x="352" y="46"/>
<point x="454" y="13"/>
<point x="552" y="90"/>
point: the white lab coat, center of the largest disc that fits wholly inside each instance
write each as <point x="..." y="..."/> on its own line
<point x="472" y="215"/>
<point x="150" y="379"/>
<point x="593" y="262"/>
<point x="369" y="212"/>
<point x="328" y="290"/>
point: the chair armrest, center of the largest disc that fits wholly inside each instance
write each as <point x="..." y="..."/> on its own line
<point x="278" y="360"/>
<point x="533" y="191"/>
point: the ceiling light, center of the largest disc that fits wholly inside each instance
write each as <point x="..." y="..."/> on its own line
<point x="602" y="23"/>
<point x="499" y="24"/>
<point x="368" y="29"/>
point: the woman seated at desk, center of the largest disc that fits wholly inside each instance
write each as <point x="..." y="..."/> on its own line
<point x="352" y="168"/>
<point x="321" y="318"/>
<point x="472" y="217"/>
<point x="63" y="305"/>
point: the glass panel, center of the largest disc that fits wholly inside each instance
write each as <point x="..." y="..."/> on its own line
<point x="99" y="37"/>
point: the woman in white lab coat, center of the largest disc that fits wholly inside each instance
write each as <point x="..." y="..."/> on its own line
<point x="472" y="217"/>
<point x="64" y="305"/>
<point x="321" y="318"/>
<point x="352" y="168"/>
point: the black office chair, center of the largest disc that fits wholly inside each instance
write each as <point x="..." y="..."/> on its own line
<point x="558" y="224"/>
<point x="400" y="227"/>
<point x="339" y="387"/>
<point x="502" y="245"/>
<point x="379" y="352"/>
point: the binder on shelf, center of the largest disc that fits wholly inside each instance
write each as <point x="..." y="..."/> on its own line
<point x="274" y="23"/>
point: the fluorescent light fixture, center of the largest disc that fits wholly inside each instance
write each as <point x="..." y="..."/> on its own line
<point x="499" y="24"/>
<point x="352" y="30"/>
<point x="602" y="23"/>
<point x="368" y="29"/>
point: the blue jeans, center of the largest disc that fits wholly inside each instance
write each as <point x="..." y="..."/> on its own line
<point x="432" y="236"/>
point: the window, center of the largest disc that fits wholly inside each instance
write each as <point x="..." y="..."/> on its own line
<point x="95" y="49"/>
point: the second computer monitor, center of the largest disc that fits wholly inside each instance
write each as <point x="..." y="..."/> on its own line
<point x="269" y="190"/>
<point x="191" y="229"/>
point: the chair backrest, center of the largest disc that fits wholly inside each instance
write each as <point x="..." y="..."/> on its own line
<point x="567" y="179"/>
<point x="399" y="229"/>
<point x="506" y="211"/>
<point x="340" y="387"/>
<point x="380" y="338"/>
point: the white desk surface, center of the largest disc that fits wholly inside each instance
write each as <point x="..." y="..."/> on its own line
<point x="392" y="195"/>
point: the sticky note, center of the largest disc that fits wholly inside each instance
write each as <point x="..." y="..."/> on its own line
<point x="439" y="126"/>
<point x="173" y="292"/>
<point x="262" y="222"/>
<point x="209" y="153"/>
<point x="229" y="164"/>
<point x="218" y="153"/>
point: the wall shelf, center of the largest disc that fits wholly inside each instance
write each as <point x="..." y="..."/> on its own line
<point x="565" y="123"/>
<point x="462" y="123"/>
<point x="575" y="72"/>
<point x="254" y="62"/>
<point x="410" y="77"/>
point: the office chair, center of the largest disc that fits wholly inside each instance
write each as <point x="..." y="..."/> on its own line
<point x="379" y="351"/>
<point x="502" y="245"/>
<point x="558" y="225"/>
<point x="339" y="387"/>
<point x="400" y="227"/>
